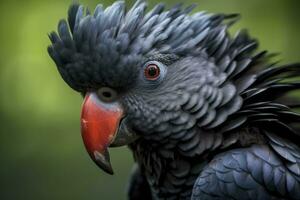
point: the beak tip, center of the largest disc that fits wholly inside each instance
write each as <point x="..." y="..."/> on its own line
<point x="103" y="161"/>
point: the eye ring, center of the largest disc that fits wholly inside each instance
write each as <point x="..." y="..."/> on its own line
<point x="152" y="72"/>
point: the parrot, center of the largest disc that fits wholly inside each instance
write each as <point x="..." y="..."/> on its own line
<point x="205" y="113"/>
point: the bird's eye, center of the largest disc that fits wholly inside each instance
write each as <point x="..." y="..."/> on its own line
<point x="152" y="72"/>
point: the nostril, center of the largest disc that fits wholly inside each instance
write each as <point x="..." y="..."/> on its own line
<point x="107" y="94"/>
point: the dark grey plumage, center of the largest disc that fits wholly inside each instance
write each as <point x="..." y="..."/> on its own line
<point x="216" y="122"/>
<point x="249" y="173"/>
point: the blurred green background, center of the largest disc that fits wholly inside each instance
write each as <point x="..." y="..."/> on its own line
<point x="42" y="155"/>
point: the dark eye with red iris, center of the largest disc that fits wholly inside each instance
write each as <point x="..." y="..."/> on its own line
<point x="152" y="72"/>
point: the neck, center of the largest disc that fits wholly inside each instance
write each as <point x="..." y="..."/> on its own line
<point x="170" y="173"/>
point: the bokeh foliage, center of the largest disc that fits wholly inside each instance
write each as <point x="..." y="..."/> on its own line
<point x="42" y="155"/>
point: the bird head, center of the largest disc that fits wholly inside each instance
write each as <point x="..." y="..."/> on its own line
<point x="144" y="76"/>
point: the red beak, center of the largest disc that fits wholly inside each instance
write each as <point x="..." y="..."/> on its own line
<point x="99" y="125"/>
